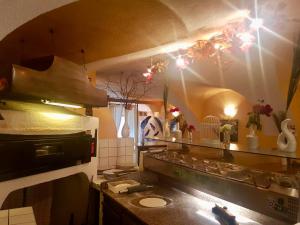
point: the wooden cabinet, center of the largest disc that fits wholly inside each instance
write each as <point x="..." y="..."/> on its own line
<point x="115" y="214"/>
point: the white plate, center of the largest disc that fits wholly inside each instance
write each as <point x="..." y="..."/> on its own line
<point x="152" y="202"/>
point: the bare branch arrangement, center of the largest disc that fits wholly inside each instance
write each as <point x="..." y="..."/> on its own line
<point x="128" y="87"/>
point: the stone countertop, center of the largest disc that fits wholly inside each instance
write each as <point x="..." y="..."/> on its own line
<point x="185" y="209"/>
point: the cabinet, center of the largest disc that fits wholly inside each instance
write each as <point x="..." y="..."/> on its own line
<point x="115" y="214"/>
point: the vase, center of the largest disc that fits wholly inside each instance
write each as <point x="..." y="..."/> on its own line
<point x="125" y="129"/>
<point x="226" y="138"/>
<point x="167" y="132"/>
<point x="286" y="140"/>
<point x="252" y="139"/>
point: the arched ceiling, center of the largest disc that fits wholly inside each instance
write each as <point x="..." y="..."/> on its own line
<point x="104" y="28"/>
<point x="111" y="28"/>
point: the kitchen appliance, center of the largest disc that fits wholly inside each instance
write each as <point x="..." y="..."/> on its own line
<point x="23" y="155"/>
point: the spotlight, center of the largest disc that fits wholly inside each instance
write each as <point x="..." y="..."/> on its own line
<point x="181" y="62"/>
<point x="256" y="23"/>
<point x="230" y="110"/>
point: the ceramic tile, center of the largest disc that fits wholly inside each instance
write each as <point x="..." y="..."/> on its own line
<point x="20" y="211"/>
<point x="103" y="143"/>
<point x="103" y="163"/>
<point x="129" y="141"/>
<point x="112" y="162"/>
<point x="112" y="151"/>
<point x="113" y="143"/>
<point x="129" y="151"/>
<point x="121" y="160"/>
<point x="129" y="159"/>
<point x="122" y="151"/>
<point x="122" y="142"/>
<point x="19" y="219"/>
<point x="103" y="152"/>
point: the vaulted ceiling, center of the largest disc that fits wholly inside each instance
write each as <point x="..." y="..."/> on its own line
<point x="110" y="28"/>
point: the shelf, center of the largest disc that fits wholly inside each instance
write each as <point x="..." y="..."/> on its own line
<point x="233" y="147"/>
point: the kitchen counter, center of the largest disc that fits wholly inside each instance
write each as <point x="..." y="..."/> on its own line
<point x="185" y="209"/>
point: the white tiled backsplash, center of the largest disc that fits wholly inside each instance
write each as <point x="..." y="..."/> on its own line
<point x="115" y="152"/>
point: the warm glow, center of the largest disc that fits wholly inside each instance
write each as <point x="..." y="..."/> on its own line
<point x="230" y="110"/>
<point x="256" y="23"/>
<point x="181" y="62"/>
<point x="57" y="116"/>
<point x="177" y="46"/>
<point x="217" y="46"/>
<point x="176" y="113"/>
<point x="61" y="104"/>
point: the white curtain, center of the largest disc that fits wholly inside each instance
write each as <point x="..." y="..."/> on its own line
<point x="117" y="113"/>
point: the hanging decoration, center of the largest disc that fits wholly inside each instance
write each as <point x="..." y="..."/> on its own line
<point x="235" y="36"/>
<point x="156" y="67"/>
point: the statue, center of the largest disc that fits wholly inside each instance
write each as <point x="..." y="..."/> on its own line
<point x="286" y="140"/>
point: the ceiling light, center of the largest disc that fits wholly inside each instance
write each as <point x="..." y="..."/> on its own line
<point x="47" y="102"/>
<point x="181" y="62"/>
<point x="217" y="46"/>
<point x="230" y="110"/>
<point x="256" y="23"/>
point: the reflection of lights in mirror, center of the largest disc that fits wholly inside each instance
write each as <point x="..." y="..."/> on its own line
<point x="230" y="110"/>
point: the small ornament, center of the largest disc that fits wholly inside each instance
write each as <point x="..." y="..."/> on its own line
<point x="286" y="140"/>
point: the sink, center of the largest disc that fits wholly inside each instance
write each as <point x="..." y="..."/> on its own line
<point x="151" y="201"/>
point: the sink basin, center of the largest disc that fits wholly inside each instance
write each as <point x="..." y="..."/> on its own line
<point x="151" y="201"/>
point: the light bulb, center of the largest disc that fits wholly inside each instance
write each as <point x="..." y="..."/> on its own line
<point x="256" y="23"/>
<point x="230" y="110"/>
<point x="181" y="62"/>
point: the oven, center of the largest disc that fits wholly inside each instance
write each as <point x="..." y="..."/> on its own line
<point x="23" y="155"/>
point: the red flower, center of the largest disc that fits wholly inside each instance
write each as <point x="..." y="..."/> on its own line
<point x="191" y="128"/>
<point x="266" y="110"/>
<point x="175" y="109"/>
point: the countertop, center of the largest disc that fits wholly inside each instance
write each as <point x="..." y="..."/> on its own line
<point x="185" y="209"/>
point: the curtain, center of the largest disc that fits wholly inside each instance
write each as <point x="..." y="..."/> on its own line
<point x="117" y="113"/>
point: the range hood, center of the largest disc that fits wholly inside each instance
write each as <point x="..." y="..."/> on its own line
<point x="50" y="79"/>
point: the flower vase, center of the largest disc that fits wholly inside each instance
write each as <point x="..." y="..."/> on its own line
<point x="167" y="132"/>
<point x="252" y="139"/>
<point x="125" y="129"/>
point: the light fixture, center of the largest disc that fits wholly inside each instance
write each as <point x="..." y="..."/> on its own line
<point x="256" y="23"/>
<point x="47" y="102"/>
<point x="176" y="113"/>
<point x="181" y="62"/>
<point x="57" y="116"/>
<point x="247" y="40"/>
<point x="230" y="110"/>
<point x="217" y="46"/>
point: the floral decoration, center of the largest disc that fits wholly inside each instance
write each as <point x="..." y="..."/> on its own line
<point x="234" y="36"/>
<point x="258" y="110"/>
<point x="174" y="109"/>
<point x="191" y="128"/>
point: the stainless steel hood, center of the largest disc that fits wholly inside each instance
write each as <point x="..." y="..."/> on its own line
<point x="50" y="79"/>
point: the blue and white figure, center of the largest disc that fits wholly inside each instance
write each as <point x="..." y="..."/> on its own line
<point x="151" y="126"/>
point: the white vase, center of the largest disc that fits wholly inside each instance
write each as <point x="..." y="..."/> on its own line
<point x="125" y="129"/>
<point x="286" y="140"/>
<point x="167" y="132"/>
<point x="252" y="139"/>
